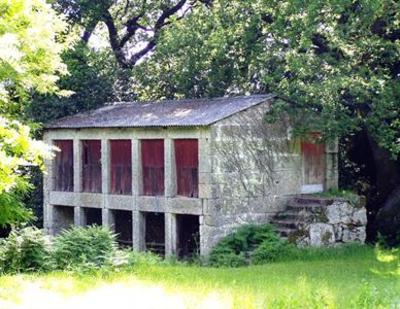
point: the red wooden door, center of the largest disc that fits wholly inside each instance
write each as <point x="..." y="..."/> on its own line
<point x="91" y="166"/>
<point x="64" y="166"/>
<point x="153" y="166"/>
<point x="313" y="164"/>
<point x="187" y="167"/>
<point x="121" y="166"/>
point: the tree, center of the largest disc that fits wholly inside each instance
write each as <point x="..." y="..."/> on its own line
<point x="30" y="60"/>
<point x="133" y="26"/>
<point x="94" y="78"/>
<point x="337" y="64"/>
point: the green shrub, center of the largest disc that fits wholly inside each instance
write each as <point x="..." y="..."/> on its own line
<point x="84" y="247"/>
<point x="271" y="250"/>
<point x="237" y="249"/>
<point x="25" y="250"/>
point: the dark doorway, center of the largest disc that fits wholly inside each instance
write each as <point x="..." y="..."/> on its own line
<point x="188" y="231"/>
<point x="92" y="216"/>
<point x="123" y="226"/>
<point x="63" y="218"/>
<point x="155" y="232"/>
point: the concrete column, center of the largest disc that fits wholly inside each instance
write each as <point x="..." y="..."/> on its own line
<point x="205" y="168"/>
<point x="77" y="148"/>
<point x="137" y="186"/>
<point x="138" y="231"/>
<point x="79" y="216"/>
<point x="107" y="218"/>
<point x="170" y="168"/>
<point x="48" y="180"/>
<point x="332" y="167"/>
<point x="105" y="166"/>
<point x="170" y="234"/>
<point x="48" y="218"/>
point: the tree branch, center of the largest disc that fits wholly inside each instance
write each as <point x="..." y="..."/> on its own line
<point x="132" y="26"/>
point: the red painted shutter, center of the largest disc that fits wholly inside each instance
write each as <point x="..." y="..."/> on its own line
<point x="121" y="166"/>
<point x="187" y="167"/>
<point x="153" y="166"/>
<point x="91" y="166"/>
<point x="64" y="166"/>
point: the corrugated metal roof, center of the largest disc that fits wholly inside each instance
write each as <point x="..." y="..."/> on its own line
<point x="194" y="112"/>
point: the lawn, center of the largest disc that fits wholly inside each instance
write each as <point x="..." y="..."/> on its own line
<point x="353" y="278"/>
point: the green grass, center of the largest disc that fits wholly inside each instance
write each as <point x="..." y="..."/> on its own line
<point x="353" y="277"/>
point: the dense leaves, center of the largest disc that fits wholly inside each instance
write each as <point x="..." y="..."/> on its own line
<point x="336" y="61"/>
<point x="29" y="60"/>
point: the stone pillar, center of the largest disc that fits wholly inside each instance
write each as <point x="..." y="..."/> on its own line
<point x="105" y="166"/>
<point x="204" y="168"/>
<point x="77" y="148"/>
<point x="170" y="234"/>
<point x="332" y="168"/>
<point x="138" y="231"/>
<point x="107" y="218"/>
<point x="79" y="216"/>
<point x="47" y="187"/>
<point x="170" y="169"/>
<point x="137" y="186"/>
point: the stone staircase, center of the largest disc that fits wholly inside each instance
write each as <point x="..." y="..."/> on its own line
<point x="300" y="209"/>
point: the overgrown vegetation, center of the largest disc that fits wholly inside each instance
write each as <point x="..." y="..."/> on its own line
<point x="249" y="244"/>
<point x="80" y="249"/>
<point x="88" y="247"/>
<point x="25" y="250"/>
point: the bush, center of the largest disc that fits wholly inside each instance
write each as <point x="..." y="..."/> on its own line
<point x="271" y="250"/>
<point x="25" y="250"/>
<point x="246" y="243"/>
<point x="84" y="247"/>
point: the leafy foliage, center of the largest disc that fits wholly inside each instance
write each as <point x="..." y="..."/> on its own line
<point x="31" y="43"/>
<point x="248" y="244"/>
<point x="336" y="62"/>
<point x="94" y="78"/>
<point x="88" y="247"/>
<point x="25" y="250"/>
<point x="17" y="149"/>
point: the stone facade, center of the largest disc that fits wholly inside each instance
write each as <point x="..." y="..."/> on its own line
<point x="246" y="170"/>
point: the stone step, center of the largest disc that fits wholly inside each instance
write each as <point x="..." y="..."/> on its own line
<point x="285" y="224"/>
<point x="311" y="200"/>
<point x="284" y="231"/>
<point x="298" y="207"/>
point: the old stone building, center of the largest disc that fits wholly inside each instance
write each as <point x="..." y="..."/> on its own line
<point x="174" y="176"/>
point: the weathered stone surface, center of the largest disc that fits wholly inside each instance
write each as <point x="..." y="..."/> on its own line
<point x="321" y="234"/>
<point x="339" y="212"/>
<point x="360" y="216"/>
<point x="356" y="234"/>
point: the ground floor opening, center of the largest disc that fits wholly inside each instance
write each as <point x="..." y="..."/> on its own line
<point x="123" y="226"/>
<point x="154" y="237"/>
<point x="63" y="218"/>
<point x="188" y="236"/>
<point x="92" y="216"/>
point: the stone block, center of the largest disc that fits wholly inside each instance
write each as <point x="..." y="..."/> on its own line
<point x="321" y="234"/>
<point x="184" y="205"/>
